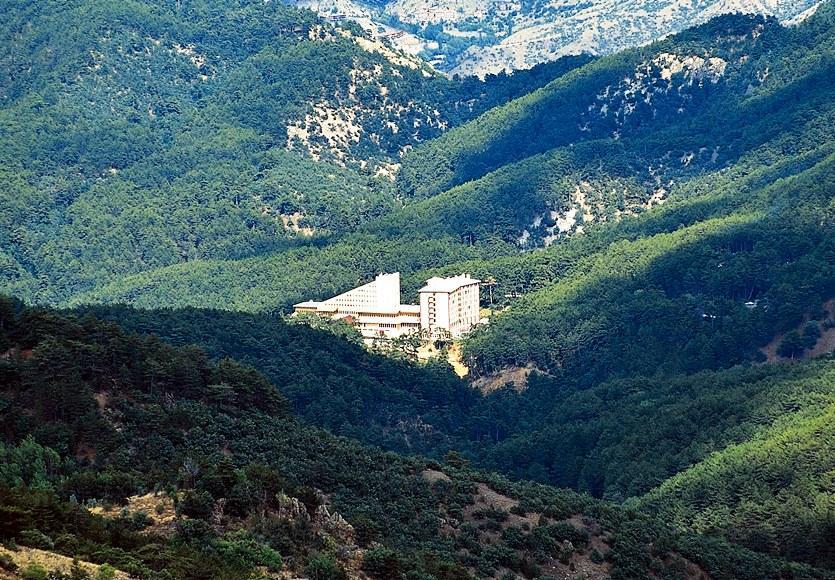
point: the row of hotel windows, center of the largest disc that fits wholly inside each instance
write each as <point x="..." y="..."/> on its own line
<point x="375" y="314"/>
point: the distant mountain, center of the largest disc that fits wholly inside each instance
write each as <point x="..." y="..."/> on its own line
<point x="470" y="37"/>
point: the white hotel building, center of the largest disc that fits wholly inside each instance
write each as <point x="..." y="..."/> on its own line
<point x="448" y="307"/>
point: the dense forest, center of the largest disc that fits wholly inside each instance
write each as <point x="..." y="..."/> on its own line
<point x="595" y="440"/>
<point x="149" y="134"/>
<point x="94" y="417"/>
<point x="675" y="157"/>
<point x="343" y="387"/>
<point x="658" y="225"/>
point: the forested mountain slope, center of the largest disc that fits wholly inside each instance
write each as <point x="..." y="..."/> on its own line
<point x="752" y="447"/>
<point x="136" y="135"/>
<point x="94" y="416"/>
<point x="617" y="440"/>
<point x="652" y="219"/>
<point x="678" y="104"/>
<point x="742" y="162"/>
<point x="757" y="231"/>
<point x="692" y="148"/>
<point x="619" y="318"/>
<point x="616" y="137"/>
<point x="342" y="387"/>
<point x="773" y="493"/>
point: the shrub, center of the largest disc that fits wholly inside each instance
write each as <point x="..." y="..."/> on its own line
<point x="791" y="345"/>
<point x="6" y="563"/>
<point x="242" y="552"/>
<point x="197" y="504"/>
<point x="34" y="572"/>
<point x="324" y="567"/>
<point x="76" y="572"/>
<point x="811" y="334"/>
<point x="36" y="539"/>
<point x="491" y="513"/>
<point x="140" y="520"/>
<point x="383" y="563"/>
<point x="105" y="572"/>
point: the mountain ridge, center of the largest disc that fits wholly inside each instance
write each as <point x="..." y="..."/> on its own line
<point x="472" y="38"/>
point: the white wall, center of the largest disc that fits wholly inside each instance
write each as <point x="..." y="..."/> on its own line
<point x="381" y="294"/>
<point x="447" y="315"/>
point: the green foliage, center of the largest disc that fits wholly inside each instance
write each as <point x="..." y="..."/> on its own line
<point x="173" y="189"/>
<point x="243" y="552"/>
<point x="105" y="572"/>
<point x="229" y="457"/>
<point x="323" y="567"/>
<point x="330" y="382"/>
<point x="36" y="539"/>
<point x="34" y="572"/>
<point x="811" y="334"/>
<point x="147" y="134"/>
<point x="28" y="463"/>
<point x="383" y="563"/>
<point x="792" y="345"/>
<point x="196" y="505"/>
<point x="772" y="493"/>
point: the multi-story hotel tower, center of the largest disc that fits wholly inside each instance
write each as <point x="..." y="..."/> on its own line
<point x="449" y="306"/>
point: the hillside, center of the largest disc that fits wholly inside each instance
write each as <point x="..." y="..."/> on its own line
<point x="594" y="439"/>
<point x="742" y="454"/>
<point x="141" y="135"/>
<point x="670" y="160"/>
<point x="658" y="223"/>
<point x="481" y="38"/>
<point x="626" y="294"/>
<point x="675" y="107"/>
<point x="772" y="493"/>
<point x="680" y="211"/>
<point x="343" y="387"/>
<point x="95" y="418"/>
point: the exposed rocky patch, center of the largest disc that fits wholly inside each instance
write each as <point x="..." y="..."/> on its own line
<point x="156" y="509"/>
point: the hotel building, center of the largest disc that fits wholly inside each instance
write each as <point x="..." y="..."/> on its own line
<point x="449" y="307"/>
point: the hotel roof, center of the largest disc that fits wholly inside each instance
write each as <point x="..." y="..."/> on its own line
<point x="448" y="284"/>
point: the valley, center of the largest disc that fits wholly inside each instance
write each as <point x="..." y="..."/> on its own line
<point x="634" y="374"/>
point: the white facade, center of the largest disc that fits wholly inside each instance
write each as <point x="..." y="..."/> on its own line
<point x="383" y="294"/>
<point x="449" y="305"/>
